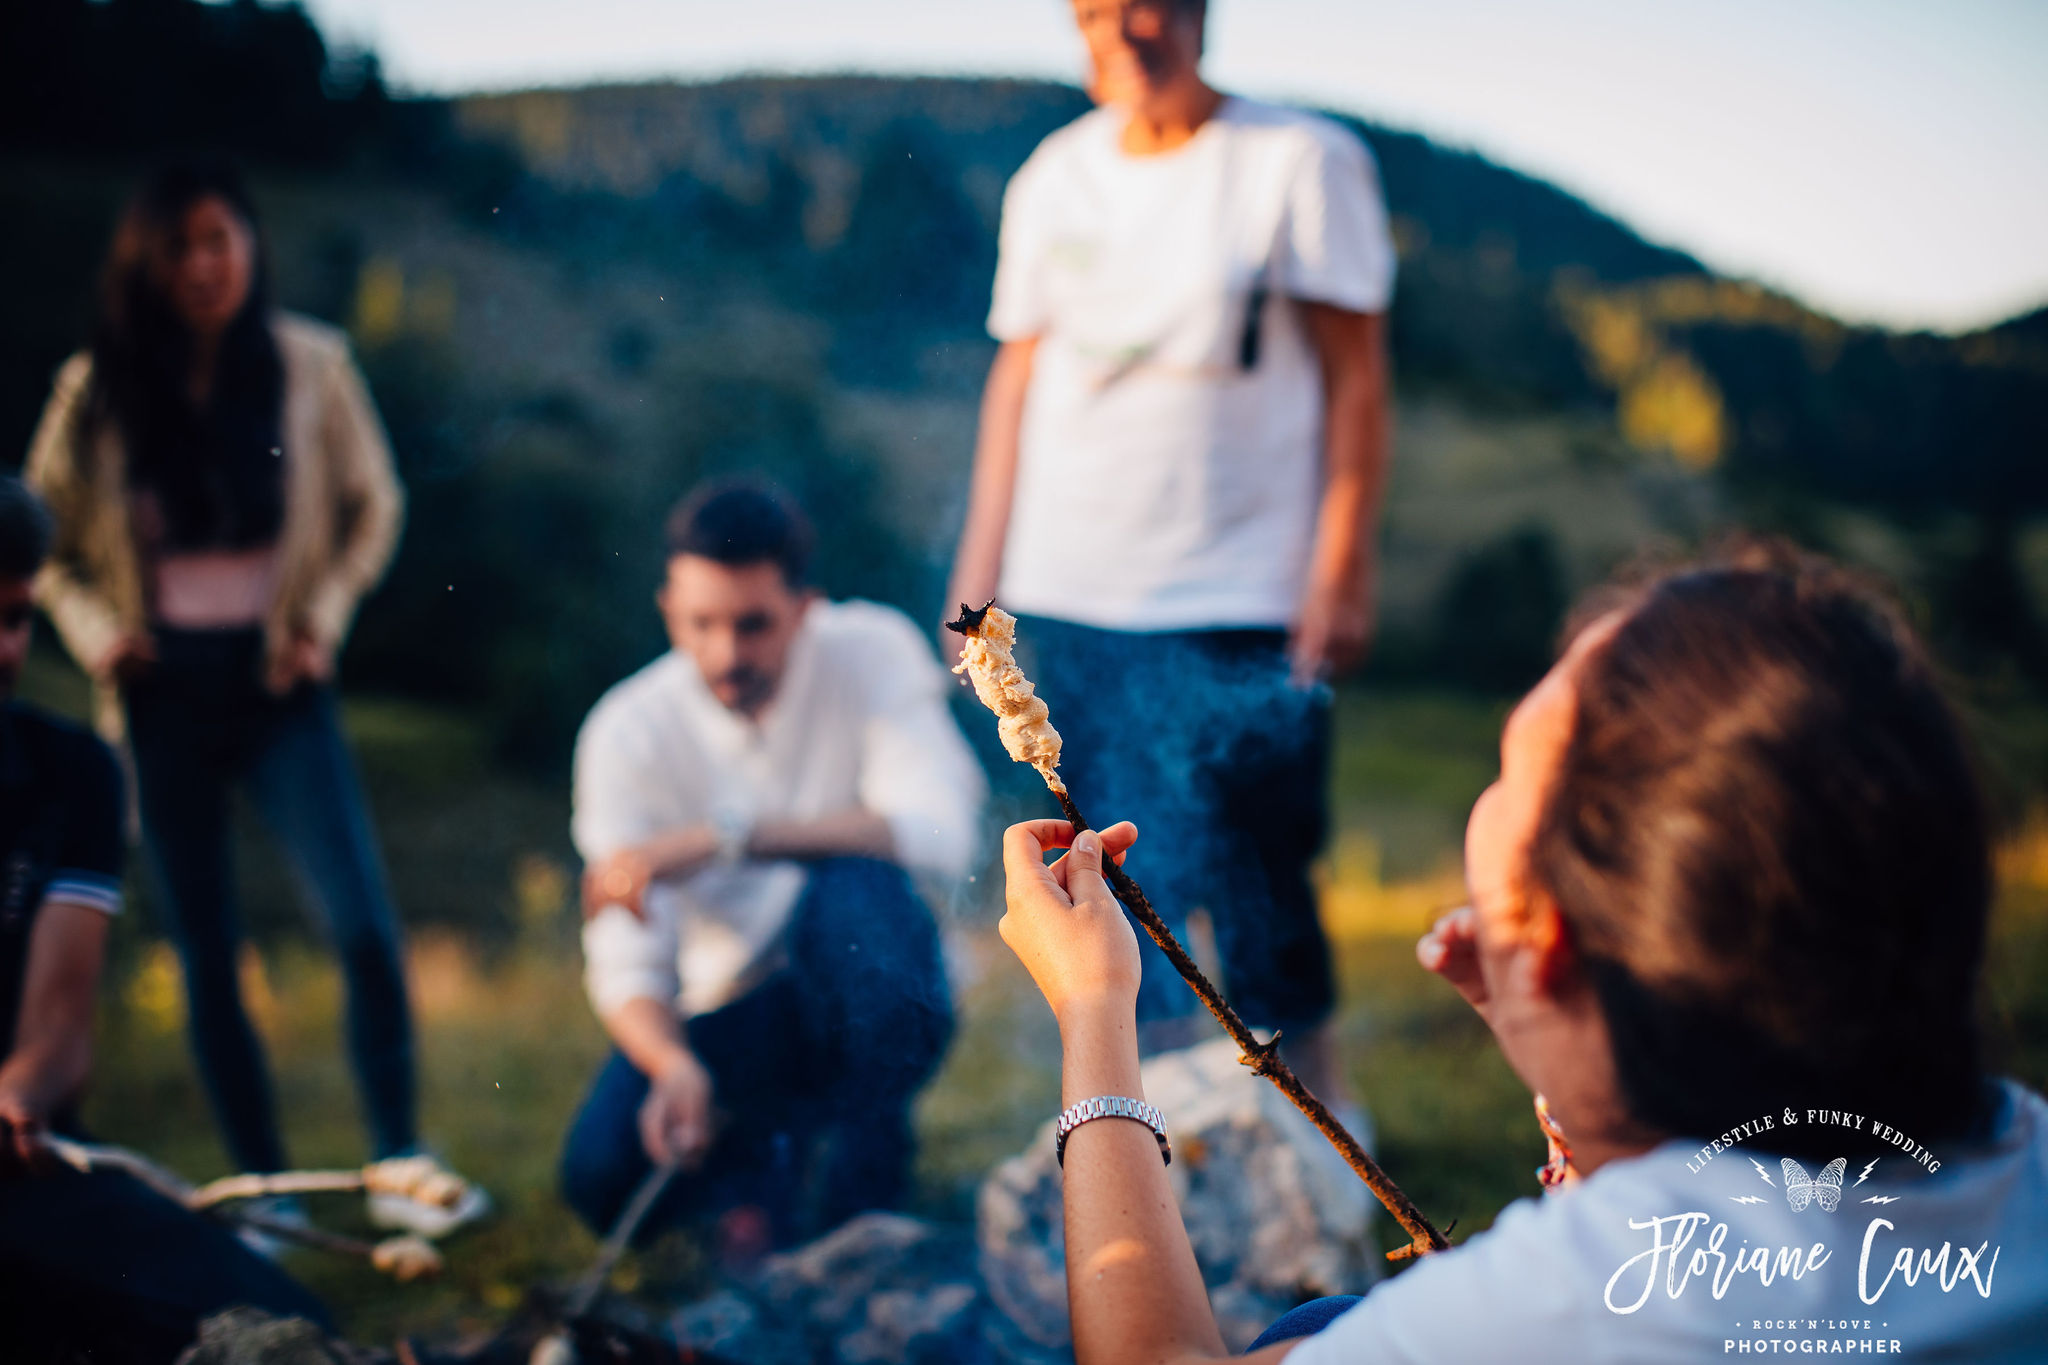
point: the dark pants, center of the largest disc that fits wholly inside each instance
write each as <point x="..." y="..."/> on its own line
<point x="814" y="1070"/>
<point x="98" y="1267"/>
<point x="1201" y="739"/>
<point x="1305" y="1321"/>
<point x="201" y="723"/>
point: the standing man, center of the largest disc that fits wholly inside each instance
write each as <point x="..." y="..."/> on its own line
<point x="1182" y="454"/>
<point x="749" y="807"/>
<point x="92" y="1266"/>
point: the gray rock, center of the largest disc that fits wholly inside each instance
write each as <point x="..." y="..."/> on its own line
<point x="925" y="1326"/>
<point x="729" y="1326"/>
<point x="882" y="1290"/>
<point x="1273" y="1212"/>
<point x="250" y="1336"/>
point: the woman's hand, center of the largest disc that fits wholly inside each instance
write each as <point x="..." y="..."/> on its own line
<point x="304" y="659"/>
<point x="1063" y="924"/>
<point x="126" y="659"/>
<point x="1451" y="950"/>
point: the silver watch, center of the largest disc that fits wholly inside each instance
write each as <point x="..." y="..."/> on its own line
<point x="1109" y="1107"/>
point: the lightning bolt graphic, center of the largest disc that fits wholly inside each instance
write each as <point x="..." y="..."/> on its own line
<point x="1746" y="1198"/>
<point x="1866" y="1172"/>
<point x="1764" y="1173"/>
<point x="1882" y="1199"/>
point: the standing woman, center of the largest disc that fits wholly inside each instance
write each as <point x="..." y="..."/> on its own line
<point x="1183" y="446"/>
<point x="224" y="497"/>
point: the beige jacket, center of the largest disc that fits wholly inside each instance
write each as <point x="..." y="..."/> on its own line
<point x="343" y="507"/>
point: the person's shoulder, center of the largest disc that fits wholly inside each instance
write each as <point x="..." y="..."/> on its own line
<point x="876" y="646"/>
<point x="1301" y="130"/>
<point x="623" y="708"/>
<point x="857" y="630"/>
<point x="1568" y="1230"/>
<point x="1062" y="146"/>
<point x="309" y="339"/>
<point x="1525" y="1270"/>
<point x="63" y="750"/>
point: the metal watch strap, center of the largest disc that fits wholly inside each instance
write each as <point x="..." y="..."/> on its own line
<point x="1109" y="1107"/>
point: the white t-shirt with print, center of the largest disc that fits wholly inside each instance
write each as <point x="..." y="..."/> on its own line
<point x="1161" y="483"/>
<point x="1537" y="1286"/>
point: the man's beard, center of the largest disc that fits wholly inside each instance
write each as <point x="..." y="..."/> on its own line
<point x="744" y="689"/>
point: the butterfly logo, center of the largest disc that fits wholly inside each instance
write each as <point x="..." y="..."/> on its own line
<point x="1825" y="1188"/>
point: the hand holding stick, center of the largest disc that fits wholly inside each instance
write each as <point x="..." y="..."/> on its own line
<point x="1029" y="737"/>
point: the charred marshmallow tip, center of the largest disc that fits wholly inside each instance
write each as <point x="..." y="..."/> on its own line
<point x="970" y="618"/>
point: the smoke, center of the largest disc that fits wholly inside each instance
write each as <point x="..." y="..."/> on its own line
<point x="1201" y="738"/>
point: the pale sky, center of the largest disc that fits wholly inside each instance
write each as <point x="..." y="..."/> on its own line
<point x="1886" y="160"/>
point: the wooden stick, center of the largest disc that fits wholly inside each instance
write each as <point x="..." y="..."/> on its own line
<point x="629" y="1220"/>
<point x="260" y="1186"/>
<point x="86" y="1157"/>
<point x="1264" y="1058"/>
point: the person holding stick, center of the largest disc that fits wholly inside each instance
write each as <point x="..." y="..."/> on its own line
<point x="1730" y="889"/>
<point x="750" y="807"/>
<point x="93" y="1266"/>
<point x="1190" y="298"/>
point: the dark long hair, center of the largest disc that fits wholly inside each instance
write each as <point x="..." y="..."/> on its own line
<point x="1769" y="841"/>
<point x="215" y="470"/>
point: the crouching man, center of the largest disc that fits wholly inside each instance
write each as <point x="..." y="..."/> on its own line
<point x="92" y="1266"/>
<point x="748" y="808"/>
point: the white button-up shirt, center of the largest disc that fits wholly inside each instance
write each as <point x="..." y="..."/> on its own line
<point x="859" y="719"/>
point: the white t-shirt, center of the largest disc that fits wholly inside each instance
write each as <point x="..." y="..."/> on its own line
<point x="1566" y="1278"/>
<point x="859" y="718"/>
<point x="1161" y="484"/>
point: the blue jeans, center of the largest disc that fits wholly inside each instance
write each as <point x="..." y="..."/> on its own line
<point x="1202" y="740"/>
<point x="201" y="723"/>
<point x="814" y="1070"/>
<point x="1306" y="1320"/>
<point x="98" y="1267"/>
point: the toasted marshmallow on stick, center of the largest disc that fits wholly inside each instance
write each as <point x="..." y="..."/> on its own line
<point x="1021" y="715"/>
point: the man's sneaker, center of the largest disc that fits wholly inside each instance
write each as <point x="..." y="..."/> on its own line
<point x="276" y="1209"/>
<point x="417" y="1194"/>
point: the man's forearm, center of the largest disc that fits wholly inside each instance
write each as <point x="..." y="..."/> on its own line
<point x="680" y="851"/>
<point x="1351" y="348"/>
<point x="650" y="1034"/>
<point x="52" y="1054"/>
<point x="1355" y="445"/>
<point x="855" y="833"/>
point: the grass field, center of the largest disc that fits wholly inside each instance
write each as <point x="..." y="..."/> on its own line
<point x="507" y="1042"/>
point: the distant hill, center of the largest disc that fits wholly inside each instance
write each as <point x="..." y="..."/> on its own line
<point x="875" y="194"/>
<point x="898" y="182"/>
